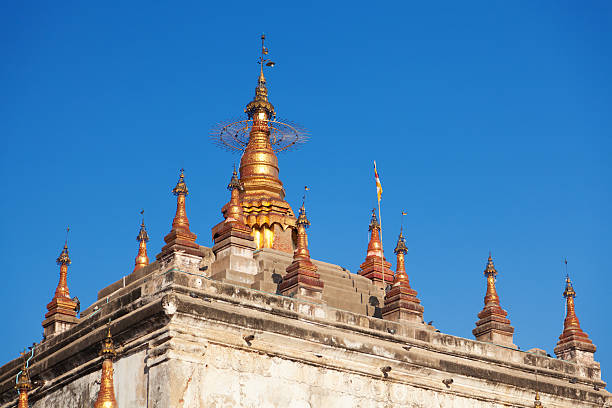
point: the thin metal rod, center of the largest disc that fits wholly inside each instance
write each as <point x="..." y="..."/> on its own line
<point x="382" y="256"/>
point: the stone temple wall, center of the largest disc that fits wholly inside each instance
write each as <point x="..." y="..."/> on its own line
<point x="188" y="341"/>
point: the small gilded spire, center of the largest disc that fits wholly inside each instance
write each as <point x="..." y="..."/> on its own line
<point x="23" y="383"/>
<point x="142" y="259"/>
<point x="106" y="395"/>
<point x="180" y="239"/>
<point x="180" y="221"/>
<point x="302" y="279"/>
<point x="571" y="320"/>
<point x="401" y="250"/>
<point x="490" y="272"/>
<point x="574" y="344"/>
<point x="375" y="267"/>
<point x="493" y="325"/>
<point x="374" y="246"/>
<point x="62" y="310"/>
<point x="536" y="402"/>
<point x="63" y="260"/>
<point x="401" y="302"/>
<point x="234" y="212"/>
<point x="301" y="252"/>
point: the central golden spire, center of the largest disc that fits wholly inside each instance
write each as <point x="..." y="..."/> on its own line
<point x="259" y="164"/>
<point x="263" y="198"/>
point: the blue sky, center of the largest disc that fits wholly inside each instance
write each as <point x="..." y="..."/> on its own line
<point x="489" y="121"/>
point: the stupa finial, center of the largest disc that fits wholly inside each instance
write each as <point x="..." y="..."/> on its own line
<point x="106" y="395"/>
<point x="23" y="382"/>
<point x="260" y="102"/>
<point x="574" y="344"/>
<point x="493" y="326"/>
<point x="142" y="258"/>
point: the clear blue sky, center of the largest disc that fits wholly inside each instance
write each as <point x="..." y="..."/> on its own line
<point x="490" y="123"/>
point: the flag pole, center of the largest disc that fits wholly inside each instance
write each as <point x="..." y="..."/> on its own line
<point x="378" y="196"/>
<point x="382" y="256"/>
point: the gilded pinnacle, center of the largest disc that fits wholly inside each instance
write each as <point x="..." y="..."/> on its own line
<point x="302" y="219"/>
<point x="490" y="269"/>
<point x="108" y="347"/>
<point x="401" y="244"/>
<point x="142" y="235"/>
<point x="63" y="258"/>
<point x="572" y="338"/>
<point x="490" y="272"/>
<point x="569" y="289"/>
<point x="400" y="250"/>
<point x="106" y="395"/>
<point x="142" y="259"/>
<point x="234" y="183"/>
<point x="234" y="210"/>
<point x="181" y="187"/>
<point x="374" y="224"/>
<point x="537" y="403"/>
<point x="23" y="384"/>
<point x="260" y="102"/>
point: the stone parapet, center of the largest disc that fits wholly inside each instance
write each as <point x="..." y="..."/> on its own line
<point x="179" y="330"/>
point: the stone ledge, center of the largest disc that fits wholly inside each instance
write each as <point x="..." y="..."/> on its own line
<point x="287" y="307"/>
<point x="424" y="358"/>
<point x="138" y="308"/>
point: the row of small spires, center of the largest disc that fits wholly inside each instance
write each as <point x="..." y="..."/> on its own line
<point x="400" y="298"/>
<point x="493" y="325"/>
<point x="374" y="251"/>
<point x="106" y="394"/>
